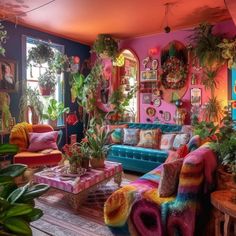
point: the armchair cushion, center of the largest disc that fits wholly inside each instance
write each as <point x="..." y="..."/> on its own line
<point x="41" y="141"/>
<point x="36" y="159"/>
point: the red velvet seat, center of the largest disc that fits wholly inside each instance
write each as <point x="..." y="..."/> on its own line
<point x="32" y="159"/>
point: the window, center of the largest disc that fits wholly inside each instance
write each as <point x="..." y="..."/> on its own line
<point x="34" y="71"/>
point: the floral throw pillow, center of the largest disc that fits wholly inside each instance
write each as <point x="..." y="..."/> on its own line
<point x="150" y="138"/>
<point x="117" y="136"/>
<point x="170" y="178"/>
<point x="131" y="136"/>
<point x="180" y="139"/>
<point x="167" y="141"/>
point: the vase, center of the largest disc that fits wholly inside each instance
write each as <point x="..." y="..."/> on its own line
<point x="97" y="163"/>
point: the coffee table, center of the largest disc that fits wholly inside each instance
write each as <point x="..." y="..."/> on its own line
<point x="77" y="189"/>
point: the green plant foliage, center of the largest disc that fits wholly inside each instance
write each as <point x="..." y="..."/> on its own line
<point x="225" y="146"/>
<point x="8" y="149"/>
<point x="3" y="37"/>
<point x="17" y="203"/>
<point x="120" y="102"/>
<point x="209" y="78"/>
<point x="59" y="62"/>
<point x="47" y="80"/>
<point x="5" y="108"/>
<point x="30" y="97"/>
<point x="97" y="137"/>
<point x="55" y="110"/>
<point x="205" y="129"/>
<point x="40" y="54"/>
<point x="105" y="44"/>
<point x="228" y="51"/>
<point x="206" y="45"/>
<point x="212" y="110"/>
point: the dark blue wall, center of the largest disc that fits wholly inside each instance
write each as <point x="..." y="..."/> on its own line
<point x="14" y="51"/>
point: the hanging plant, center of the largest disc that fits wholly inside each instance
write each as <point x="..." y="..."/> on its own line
<point x="206" y="45"/>
<point x="47" y="83"/>
<point x="3" y="36"/>
<point x="228" y="51"/>
<point x="106" y="45"/>
<point x="59" y="62"/>
<point x="40" y="54"/>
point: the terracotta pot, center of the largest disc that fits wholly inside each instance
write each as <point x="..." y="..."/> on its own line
<point x="97" y="163"/>
<point x="44" y="91"/>
<point x="223" y="178"/>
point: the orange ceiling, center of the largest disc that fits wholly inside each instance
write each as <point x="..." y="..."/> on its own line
<point x="82" y="20"/>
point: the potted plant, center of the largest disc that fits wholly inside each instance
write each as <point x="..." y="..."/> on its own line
<point x="54" y="111"/>
<point x="3" y="36"/>
<point x="206" y="46"/>
<point x="47" y="83"/>
<point x="97" y="138"/>
<point x="30" y="99"/>
<point x="225" y="147"/>
<point x="40" y="54"/>
<point x="17" y="203"/>
<point x="106" y="46"/>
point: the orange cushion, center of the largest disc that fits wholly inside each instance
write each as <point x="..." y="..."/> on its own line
<point x="41" y="128"/>
<point x="33" y="159"/>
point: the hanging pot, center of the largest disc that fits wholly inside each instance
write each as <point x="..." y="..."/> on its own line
<point x="45" y="91"/>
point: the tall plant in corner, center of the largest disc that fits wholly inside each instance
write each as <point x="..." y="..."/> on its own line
<point x="3" y="37"/>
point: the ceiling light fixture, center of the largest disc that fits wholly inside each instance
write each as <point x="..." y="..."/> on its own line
<point x="167" y="27"/>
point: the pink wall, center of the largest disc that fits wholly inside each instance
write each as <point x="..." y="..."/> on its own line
<point x="141" y="45"/>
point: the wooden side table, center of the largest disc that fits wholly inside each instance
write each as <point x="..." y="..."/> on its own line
<point x="221" y="200"/>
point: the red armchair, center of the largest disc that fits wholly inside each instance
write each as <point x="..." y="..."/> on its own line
<point x="19" y="136"/>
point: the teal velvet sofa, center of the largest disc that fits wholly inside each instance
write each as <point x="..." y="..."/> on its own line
<point x="141" y="159"/>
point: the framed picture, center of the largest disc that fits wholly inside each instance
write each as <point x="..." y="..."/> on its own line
<point x="196" y="96"/>
<point x="8" y="75"/>
<point x="149" y="75"/>
<point x="147" y="98"/>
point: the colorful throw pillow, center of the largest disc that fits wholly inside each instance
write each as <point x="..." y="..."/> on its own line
<point x="182" y="151"/>
<point x="150" y="138"/>
<point x="170" y="178"/>
<point x="167" y="141"/>
<point x="172" y="156"/>
<point x="131" y="136"/>
<point x="180" y="139"/>
<point x="117" y="136"/>
<point x="42" y="141"/>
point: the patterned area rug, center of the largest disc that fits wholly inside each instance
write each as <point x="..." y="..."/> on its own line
<point x="60" y="219"/>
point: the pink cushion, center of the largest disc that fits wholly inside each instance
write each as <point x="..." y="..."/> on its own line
<point x="41" y="141"/>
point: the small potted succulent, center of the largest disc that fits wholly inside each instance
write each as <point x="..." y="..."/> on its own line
<point x="40" y="54"/>
<point x="54" y="111"/>
<point x="106" y="46"/>
<point x="47" y="83"/>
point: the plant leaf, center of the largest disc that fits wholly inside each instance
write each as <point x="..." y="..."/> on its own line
<point x="18" y="209"/>
<point x="13" y="170"/>
<point x="18" y="226"/>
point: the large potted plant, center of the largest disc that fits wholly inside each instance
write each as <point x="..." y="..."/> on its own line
<point x="54" y="111"/>
<point x="47" y="83"/>
<point x="225" y="147"/>
<point x="40" y="54"/>
<point x="17" y="208"/>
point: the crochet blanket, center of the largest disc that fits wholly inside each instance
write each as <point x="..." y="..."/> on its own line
<point x="137" y="209"/>
<point x="19" y="135"/>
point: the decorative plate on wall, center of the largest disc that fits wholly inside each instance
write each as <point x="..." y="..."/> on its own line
<point x="150" y="111"/>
